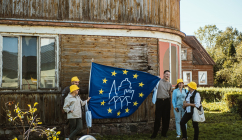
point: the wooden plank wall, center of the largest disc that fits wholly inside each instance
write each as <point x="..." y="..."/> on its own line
<point x="187" y="65"/>
<point x="49" y="109"/>
<point x="152" y="12"/>
<point x="208" y="68"/>
<point x="124" y="52"/>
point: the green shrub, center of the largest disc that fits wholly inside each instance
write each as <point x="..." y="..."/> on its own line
<point x="215" y="106"/>
<point x="231" y="100"/>
<point x="214" y="99"/>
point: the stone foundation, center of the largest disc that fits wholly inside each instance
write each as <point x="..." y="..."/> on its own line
<point x="126" y="128"/>
<point x="97" y="129"/>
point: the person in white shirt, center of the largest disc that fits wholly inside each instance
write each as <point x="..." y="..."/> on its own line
<point x="193" y="99"/>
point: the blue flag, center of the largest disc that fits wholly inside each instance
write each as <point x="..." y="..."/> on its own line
<point x="117" y="92"/>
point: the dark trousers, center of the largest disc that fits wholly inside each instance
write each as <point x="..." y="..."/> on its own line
<point x="75" y="127"/>
<point x="162" y="109"/>
<point x="184" y="120"/>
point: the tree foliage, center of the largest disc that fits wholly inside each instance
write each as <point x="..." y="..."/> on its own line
<point x="225" y="47"/>
<point x="207" y="35"/>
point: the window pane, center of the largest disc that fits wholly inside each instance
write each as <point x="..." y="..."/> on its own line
<point x="187" y="77"/>
<point x="47" y="73"/>
<point x="183" y="54"/>
<point x="202" y="78"/>
<point x="29" y="63"/>
<point x="10" y="62"/>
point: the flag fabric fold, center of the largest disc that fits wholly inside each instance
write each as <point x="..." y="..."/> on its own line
<point x="117" y="92"/>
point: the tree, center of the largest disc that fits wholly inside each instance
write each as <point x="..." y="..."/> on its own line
<point x="227" y="68"/>
<point x="228" y="40"/>
<point x="225" y="47"/>
<point x="231" y="50"/>
<point x="207" y="35"/>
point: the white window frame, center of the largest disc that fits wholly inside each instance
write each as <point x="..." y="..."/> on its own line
<point x="206" y="78"/>
<point x="184" y="72"/>
<point x="181" y="53"/>
<point x="39" y="36"/>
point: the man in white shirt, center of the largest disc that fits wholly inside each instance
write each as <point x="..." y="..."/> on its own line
<point x="193" y="99"/>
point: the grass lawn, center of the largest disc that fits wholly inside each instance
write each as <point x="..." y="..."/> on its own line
<point x="218" y="126"/>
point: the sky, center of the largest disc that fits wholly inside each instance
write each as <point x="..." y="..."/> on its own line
<point x="198" y="13"/>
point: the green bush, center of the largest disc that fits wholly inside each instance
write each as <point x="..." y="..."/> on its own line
<point x="215" y="106"/>
<point x="217" y="97"/>
<point x="212" y="94"/>
<point x="232" y="100"/>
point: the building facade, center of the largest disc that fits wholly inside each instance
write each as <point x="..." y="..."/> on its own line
<point x="45" y="43"/>
<point x="197" y="65"/>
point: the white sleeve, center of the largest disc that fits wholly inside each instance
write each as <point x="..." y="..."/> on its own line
<point x="197" y="100"/>
<point x="83" y="102"/>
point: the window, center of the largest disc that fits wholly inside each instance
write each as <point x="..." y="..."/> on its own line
<point x="183" y="54"/>
<point x="187" y="77"/>
<point x="202" y="77"/>
<point x="28" y="62"/>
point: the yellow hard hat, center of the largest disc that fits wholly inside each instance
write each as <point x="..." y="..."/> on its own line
<point x="179" y="81"/>
<point x="73" y="88"/>
<point x="192" y="85"/>
<point x="74" y="79"/>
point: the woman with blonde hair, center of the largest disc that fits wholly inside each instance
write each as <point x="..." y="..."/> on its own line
<point x="178" y="97"/>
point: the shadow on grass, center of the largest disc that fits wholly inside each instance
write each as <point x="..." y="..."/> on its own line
<point x="218" y="126"/>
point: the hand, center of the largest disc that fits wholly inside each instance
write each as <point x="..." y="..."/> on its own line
<point x="63" y="111"/>
<point x="71" y="111"/>
<point x="185" y="104"/>
<point x="88" y="99"/>
<point x="176" y="109"/>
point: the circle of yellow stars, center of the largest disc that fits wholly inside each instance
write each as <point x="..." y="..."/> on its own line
<point x="135" y="76"/>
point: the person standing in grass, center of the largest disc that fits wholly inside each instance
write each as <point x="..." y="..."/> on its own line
<point x="193" y="99"/>
<point x="72" y="107"/>
<point x="178" y="97"/>
<point x="163" y="105"/>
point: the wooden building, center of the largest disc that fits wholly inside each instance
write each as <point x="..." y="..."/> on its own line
<point x="45" y="43"/>
<point x="197" y="65"/>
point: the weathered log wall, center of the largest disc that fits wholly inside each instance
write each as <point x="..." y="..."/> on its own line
<point x="164" y="13"/>
<point x="125" y="52"/>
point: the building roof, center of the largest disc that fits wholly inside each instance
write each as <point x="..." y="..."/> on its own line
<point x="200" y="55"/>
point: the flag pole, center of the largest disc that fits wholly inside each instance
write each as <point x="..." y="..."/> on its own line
<point x="89" y="88"/>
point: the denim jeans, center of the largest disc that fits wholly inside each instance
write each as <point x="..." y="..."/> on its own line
<point x="178" y="116"/>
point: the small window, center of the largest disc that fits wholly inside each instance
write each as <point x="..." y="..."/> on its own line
<point x="202" y="77"/>
<point x="28" y="62"/>
<point x="183" y="54"/>
<point x="187" y="77"/>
